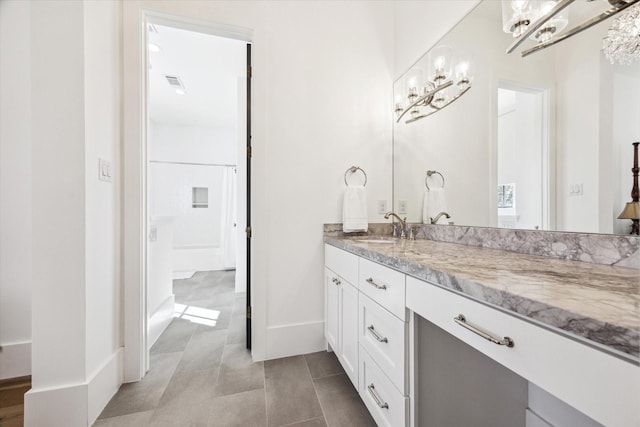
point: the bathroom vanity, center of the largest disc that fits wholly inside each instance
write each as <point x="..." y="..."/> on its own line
<point x="437" y="333"/>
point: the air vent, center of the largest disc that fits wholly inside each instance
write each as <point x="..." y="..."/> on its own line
<point x="174" y="82"/>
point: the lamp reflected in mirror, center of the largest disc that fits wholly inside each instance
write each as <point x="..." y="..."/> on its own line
<point x="632" y="209"/>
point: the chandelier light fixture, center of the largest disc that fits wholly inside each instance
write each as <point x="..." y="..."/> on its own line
<point x="622" y="43"/>
<point x="544" y="20"/>
<point x="446" y="78"/>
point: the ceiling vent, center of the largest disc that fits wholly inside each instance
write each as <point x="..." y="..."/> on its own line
<point x="174" y="82"/>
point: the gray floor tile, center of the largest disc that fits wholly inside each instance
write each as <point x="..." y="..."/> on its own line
<point x="238" y="372"/>
<point x="237" y="333"/>
<point x="175" y="338"/>
<point x="316" y="422"/>
<point x="290" y="393"/>
<point x="206" y="310"/>
<point x="323" y="364"/>
<point x="204" y="351"/>
<point x="136" y="419"/>
<point x="143" y="395"/>
<point x="186" y="400"/>
<point x="245" y="409"/>
<point x="341" y="403"/>
<point x="206" y="293"/>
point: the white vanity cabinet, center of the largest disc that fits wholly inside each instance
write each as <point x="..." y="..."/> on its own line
<point x="341" y="308"/>
<point x="366" y="325"/>
<point x="417" y="353"/>
<point x="383" y="337"/>
<point x="601" y="386"/>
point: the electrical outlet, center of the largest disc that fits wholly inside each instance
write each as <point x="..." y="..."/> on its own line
<point x="402" y="207"/>
<point x="382" y="206"/>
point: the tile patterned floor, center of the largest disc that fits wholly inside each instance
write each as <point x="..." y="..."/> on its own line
<point x="202" y="375"/>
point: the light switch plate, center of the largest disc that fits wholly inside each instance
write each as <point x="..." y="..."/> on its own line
<point x="576" y="190"/>
<point x="104" y="170"/>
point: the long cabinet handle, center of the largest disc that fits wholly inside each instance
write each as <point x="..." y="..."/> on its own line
<point x="375" y="285"/>
<point x="462" y="321"/>
<point x="376" y="335"/>
<point x="379" y="402"/>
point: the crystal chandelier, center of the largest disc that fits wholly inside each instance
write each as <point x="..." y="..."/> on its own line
<point x="622" y="42"/>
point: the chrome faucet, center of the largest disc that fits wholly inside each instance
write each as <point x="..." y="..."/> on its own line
<point x="435" y="220"/>
<point x="403" y="224"/>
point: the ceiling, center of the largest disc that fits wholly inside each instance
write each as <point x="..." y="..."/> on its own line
<point x="208" y="67"/>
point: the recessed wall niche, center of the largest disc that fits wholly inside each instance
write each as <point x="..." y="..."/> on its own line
<point x="200" y="197"/>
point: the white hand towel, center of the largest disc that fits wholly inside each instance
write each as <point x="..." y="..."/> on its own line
<point x="354" y="209"/>
<point x="434" y="202"/>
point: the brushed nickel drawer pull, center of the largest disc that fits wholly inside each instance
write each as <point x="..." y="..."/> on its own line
<point x="372" y="391"/>
<point x="462" y="321"/>
<point x="377" y="335"/>
<point x="336" y="281"/>
<point x="375" y="285"/>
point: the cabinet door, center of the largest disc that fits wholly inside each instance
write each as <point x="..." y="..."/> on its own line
<point x="348" y="353"/>
<point x="331" y="307"/>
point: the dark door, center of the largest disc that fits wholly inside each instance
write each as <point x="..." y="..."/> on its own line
<point x="249" y="196"/>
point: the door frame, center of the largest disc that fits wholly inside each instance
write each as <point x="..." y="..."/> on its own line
<point x="134" y="194"/>
<point x="548" y="158"/>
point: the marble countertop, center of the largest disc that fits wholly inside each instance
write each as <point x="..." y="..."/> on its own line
<point x="593" y="303"/>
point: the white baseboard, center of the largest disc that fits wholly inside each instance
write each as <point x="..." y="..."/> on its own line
<point x="15" y="360"/>
<point x="64" y="406"/>
<point x="291" y="340"/>
<point x="75" y="404"/>
<point x="104" y="384"/>
<point x="160" y="319"/>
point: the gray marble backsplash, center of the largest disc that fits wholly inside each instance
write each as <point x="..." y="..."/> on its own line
<point x="608" y="249"/>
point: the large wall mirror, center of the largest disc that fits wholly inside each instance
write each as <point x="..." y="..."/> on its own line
<point x="537" y="142"/>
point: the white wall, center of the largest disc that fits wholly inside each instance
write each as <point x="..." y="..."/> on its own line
<point x="198" y="237"/>
<point x="418" y="25"/>
<point x="170" y="194"/>
<point x="75" y="99"/>
<point x="102" y="140"/>
<point x="578" y="132"/>
<point x="15" y="190"/>
<point x="191" y="144"/>
<point x="320" y="104"/>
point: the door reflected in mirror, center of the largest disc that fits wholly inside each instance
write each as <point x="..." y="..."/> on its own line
<point x="522" y="135"/>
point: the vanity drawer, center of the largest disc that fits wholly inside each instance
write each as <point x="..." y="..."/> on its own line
<point x="342" y="263"/>
<point x="384" y="285"/>
<point x="559" y="365"/>
<point x="384" y="337"/>
<point x="387" y="406"/>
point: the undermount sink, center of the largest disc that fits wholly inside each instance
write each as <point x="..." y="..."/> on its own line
<point x="378" y="240"/>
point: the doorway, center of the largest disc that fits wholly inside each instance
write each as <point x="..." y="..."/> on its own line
<point x="197" y="183"/>
<point x="522" y="193"/>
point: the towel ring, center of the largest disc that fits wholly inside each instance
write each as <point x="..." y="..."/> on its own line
<point x="429" y="173"/>
<point x="354" y="169"/>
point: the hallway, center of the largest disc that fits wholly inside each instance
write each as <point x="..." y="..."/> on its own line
<point x="202" y="375"/>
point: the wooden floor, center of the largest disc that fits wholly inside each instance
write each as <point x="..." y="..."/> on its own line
<point x="12" y="401"/>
